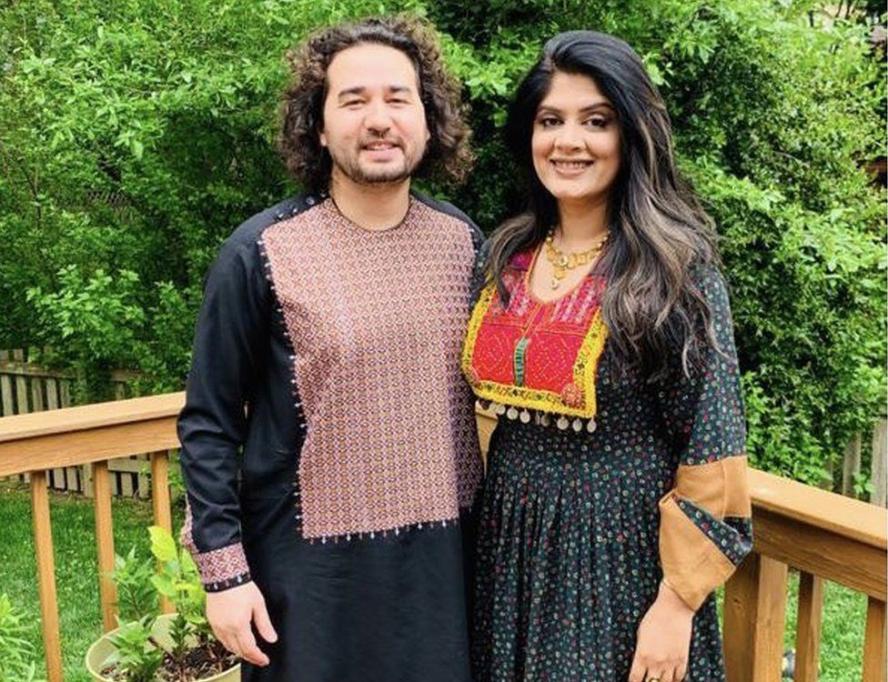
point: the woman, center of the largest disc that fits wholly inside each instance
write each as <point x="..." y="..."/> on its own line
<point x="616" y="498"/>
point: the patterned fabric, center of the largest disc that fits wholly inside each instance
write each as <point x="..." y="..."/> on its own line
<point x="534" y="354"/>
<point x="365" y="313"/>
<point x="368" y="326"/>
<point x="220" y="568"/>
<point x="571" y="528"/>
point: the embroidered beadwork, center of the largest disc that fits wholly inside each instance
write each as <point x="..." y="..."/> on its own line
<point x="219" y="568"/>
<point x="391" y="441"/>
<point x="578" y="313"/>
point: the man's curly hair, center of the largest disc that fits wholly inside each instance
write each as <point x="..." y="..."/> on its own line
<point x="447" y="156"/>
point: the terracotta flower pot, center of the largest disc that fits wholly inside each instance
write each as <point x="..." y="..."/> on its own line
<point x="100" y="650"/>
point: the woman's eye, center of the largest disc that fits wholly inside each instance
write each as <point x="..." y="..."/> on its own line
<point x="351" y="103"/>
<point x="598" y="122"/>
<point x="548" y="121"/>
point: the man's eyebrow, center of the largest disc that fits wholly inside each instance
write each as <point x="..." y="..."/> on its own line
<point x="360" y="89"/>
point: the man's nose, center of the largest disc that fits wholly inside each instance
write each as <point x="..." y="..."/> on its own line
<point x="378" y="118"/>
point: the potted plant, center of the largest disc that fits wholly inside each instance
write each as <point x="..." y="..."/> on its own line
<point x="177" y="647"/>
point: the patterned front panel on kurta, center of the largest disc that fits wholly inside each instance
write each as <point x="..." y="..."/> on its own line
<point x="376" y="322"/>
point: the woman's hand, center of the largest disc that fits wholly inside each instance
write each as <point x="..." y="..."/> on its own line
<point x="664" y="638"/>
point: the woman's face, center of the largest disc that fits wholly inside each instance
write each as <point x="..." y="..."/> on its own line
<point x="576" y="141"/>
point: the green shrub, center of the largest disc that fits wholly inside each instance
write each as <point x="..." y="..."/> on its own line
<point x="17" y="655"/>
<point x="137" y="135"/>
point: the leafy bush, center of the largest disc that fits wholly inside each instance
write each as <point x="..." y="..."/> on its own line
<point x="17" y="655"/>
<point x="138" y="134"/>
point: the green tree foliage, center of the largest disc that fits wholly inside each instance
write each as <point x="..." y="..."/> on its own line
<point x="136" y="135"/>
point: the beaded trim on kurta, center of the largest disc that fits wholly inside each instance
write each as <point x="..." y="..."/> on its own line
<point x="390" y="441"/>
<point x="552" y="329"/>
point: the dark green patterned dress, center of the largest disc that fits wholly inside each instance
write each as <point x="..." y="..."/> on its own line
<point x="598" y="491"/>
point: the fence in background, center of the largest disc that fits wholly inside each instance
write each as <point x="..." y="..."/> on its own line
<point x="26" y="387"/>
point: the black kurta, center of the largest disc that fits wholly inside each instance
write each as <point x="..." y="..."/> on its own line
<point x="328" y="439"/>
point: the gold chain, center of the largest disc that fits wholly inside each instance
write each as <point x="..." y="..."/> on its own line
<point x="565" y="262"/>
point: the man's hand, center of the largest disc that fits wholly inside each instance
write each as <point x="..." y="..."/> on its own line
<point x="230" y="613"/>
<point x="664" y="640"/>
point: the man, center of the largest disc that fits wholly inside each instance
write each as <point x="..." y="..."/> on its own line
<point x="327" y="348"/>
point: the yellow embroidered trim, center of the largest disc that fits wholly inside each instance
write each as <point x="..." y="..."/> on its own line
<point x="584" y="372"/>
<point x="478" y="313"/>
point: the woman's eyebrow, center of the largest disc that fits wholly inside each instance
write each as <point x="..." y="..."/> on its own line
<point x="587" y="108"/>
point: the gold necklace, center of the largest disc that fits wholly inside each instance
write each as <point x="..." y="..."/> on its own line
<point x="565" y="262"/>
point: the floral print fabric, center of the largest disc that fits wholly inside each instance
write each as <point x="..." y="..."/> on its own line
<point x="569" y="548"/>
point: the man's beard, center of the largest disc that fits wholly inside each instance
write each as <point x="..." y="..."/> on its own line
<point x="351" y="168"/>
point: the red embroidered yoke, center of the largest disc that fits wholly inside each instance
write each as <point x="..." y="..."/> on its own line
<point x="534" y="354"/>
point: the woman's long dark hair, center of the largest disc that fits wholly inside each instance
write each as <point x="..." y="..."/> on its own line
<point x="659" y="232"/>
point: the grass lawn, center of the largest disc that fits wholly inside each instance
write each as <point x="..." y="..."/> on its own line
<point x="77" y="584"/>
<point x="73" y="534"/>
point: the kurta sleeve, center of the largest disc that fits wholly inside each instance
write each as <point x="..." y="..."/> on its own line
<point x="231" y="329"/>
<point x="705" y="519"/>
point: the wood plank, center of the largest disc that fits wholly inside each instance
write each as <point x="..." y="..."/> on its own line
<point x="810" y="618"/>
<point x="71" y="480"/>
<point x="21" y="387"/>
<point x="754" y="613"/>
<point x="93" y="416"/>
<point x="819" y="508"/>
<point x="160" y="502"/>
<point x="38" y="404"/>
<point x="825" y="553"/>
<point x="851" y="466"/>
<point x="486" y="424"/>
<point x="86" y="483"/>
<point x="874" y="647"/>
<point x="879" y="464"/>
<point x="126" y="483"/>
<point x="129" y="465"/>
<point x="105" y="543"/>
<point x="28" y="369"/>
<point x="65" y="393"/>
<point x="52" y="394"/>
<point x="7" y="403"/>
<point x="49" y="610"/>
<point x="160" y="490"/>
<point x="91" y="445"/>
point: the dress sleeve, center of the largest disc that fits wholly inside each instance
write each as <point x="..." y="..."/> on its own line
<point x="705" y="519"/>
<point x="212" y="427"/>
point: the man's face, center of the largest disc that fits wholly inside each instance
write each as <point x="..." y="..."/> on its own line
<point x="374" y="121"/>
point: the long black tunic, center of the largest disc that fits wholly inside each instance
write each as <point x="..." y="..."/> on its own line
<point x="328" y="439"/>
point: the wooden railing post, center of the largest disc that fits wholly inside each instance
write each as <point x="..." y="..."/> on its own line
<point x="875" y="667"/>
<point x="105" y="544"/>
<point x="49" y="609"/>
<point x="160" y="501"/>
<point x="754" y="612"/>
<point x="807" y="661"/>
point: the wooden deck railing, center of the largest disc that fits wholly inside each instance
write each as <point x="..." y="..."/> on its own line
<point x="825" y="536"/>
